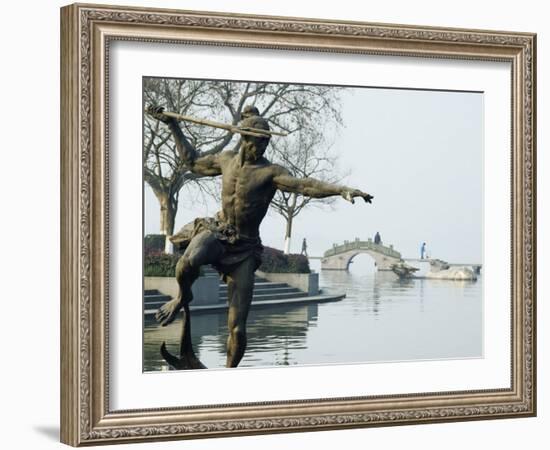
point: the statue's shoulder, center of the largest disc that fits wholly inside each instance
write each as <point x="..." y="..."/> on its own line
<point x="277" y="169"/>
<point x="268" y="164"/>
<point x="227" y="155"/>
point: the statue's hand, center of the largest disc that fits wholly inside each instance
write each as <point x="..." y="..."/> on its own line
<point x="158" y="113"/>
<point x="350" y="194"/>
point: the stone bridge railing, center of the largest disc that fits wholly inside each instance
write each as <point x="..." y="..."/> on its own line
<point x="360" y="245"/>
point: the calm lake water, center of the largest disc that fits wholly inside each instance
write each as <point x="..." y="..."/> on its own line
<point x="381" y="319"/>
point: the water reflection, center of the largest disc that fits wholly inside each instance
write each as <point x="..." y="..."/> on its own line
<point x="381" y="319"/>
<point x="273" y="334"/>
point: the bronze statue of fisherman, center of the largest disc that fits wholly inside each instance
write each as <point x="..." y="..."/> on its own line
<point x="230" y="241"/>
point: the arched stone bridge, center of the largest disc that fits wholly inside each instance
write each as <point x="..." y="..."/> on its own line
<point x="339" y="256"/>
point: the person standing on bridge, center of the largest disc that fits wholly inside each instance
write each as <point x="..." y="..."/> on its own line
<point x="377" y="239"/>
<point x="423" y="250"/>
<point x="304" y="248"/>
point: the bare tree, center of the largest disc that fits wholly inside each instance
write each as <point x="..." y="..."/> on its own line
<point x="287" y="107"/>
<point x="164" y="171"/>
<point x="306" y="154"/>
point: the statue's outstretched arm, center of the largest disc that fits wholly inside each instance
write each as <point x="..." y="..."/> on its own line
<point x="310" y="187"/>
<point x="201" y="165"/>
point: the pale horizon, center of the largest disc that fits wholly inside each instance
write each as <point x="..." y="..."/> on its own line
<point x="418" y="152"/>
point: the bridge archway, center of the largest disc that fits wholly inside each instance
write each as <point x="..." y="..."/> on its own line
<point x="362" y="263"/>
<point x="339" y="257"/>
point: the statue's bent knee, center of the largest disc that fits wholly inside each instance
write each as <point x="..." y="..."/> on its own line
<point x="183" y="266"/>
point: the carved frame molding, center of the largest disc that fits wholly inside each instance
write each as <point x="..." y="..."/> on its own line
<point x="86" y="31"/>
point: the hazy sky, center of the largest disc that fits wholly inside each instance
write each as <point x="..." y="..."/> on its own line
<point x="420" y="154"/>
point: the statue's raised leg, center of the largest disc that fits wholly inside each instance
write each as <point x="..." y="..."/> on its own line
<point x="203" y="249"/>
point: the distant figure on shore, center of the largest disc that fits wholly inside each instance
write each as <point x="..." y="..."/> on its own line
<point x="304" y="248"/>
<point x="423" y="250"/>
<point x="377" y="239"/>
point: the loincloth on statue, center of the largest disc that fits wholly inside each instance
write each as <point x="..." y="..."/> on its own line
<point x="237" y="248"/>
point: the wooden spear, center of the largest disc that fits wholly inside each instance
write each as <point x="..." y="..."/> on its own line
<point x="249" y="131"/>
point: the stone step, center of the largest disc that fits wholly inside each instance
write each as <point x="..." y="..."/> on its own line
<point x="262" y="297"/>
<point x="263" y="291"/>
<point x="153" y="305"/>
<point x="155" y="302"/>
<point x="209" y="271"/>
<point x="261" y="286"/>
<point x="293" y="301"/>
<point x="283" y="291"/>
<point x="269" y="290"/>
<point x="151" y="292"/>
<point x="258" y="287"/>
<point x="160" y="298"/>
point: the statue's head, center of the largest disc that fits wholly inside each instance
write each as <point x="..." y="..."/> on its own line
<point x="252" y="146"/>
<point x="249" y="111"/>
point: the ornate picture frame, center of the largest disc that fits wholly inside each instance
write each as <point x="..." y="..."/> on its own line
<point x="87" y="31"/>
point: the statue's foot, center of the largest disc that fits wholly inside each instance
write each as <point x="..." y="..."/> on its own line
<point x="168" y="312"/>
